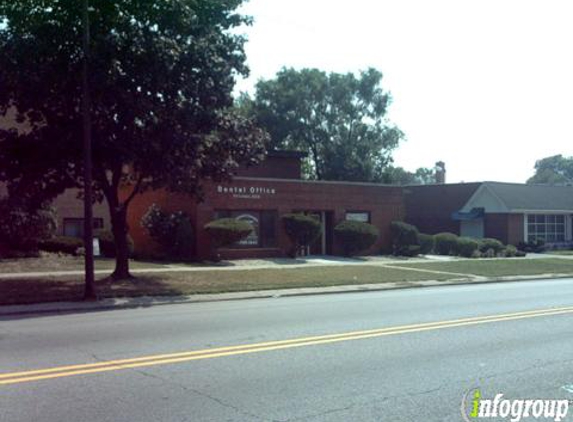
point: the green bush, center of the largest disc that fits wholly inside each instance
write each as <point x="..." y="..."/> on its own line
<point x="445" y="243"/>
<point x="107" y="243"/>
<point x="355" y="236"/>
<point x="466" y="246"/>
<point x="510" y="251"/>
<point x="226" y="231"/>
<point x="405" y="239"/>
<point x="426" y="243"/>
<point x="535" y="246"/>
<point x="62" y="244"/>
<point x="172" y="231"/>
<point x="302" y="230"/>
<point x="488" y="243"/>
<point x="23" y="227"/>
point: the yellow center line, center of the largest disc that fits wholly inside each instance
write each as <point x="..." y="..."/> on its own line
<point x="163" y="359"/>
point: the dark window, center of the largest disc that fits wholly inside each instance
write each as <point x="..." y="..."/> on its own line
<point x="74" y="227"/>
<point x="264" y="234"/>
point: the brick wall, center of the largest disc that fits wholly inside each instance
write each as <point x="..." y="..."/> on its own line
<point x="430" y="207"/>
<point x="383" y="202"/>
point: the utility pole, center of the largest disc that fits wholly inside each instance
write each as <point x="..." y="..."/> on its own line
<point x="90" y="290"/>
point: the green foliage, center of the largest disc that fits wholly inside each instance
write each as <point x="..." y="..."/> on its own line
<point x="489" y="243"/>
<point x="553" y="170"/>
<point x="162" y="76"/>
<point x="339" y="119"/>
<point x="172" y="231"/>
<point x="107" y="243"/>
<point x="355" y="236"/>
<point x="405" y="239"/>
<point x="226" y="231"/>
<point x="22" y="226"/>
<point x="445" y="243"/>
<point x="426" y="243"/>
<point x="534" y="246"/>
<point x="466" y="246"/>
<point x="62" y="244"/>
<point x="510" y="251"/>
<point x="302" y="230"/>
<point x="399" y="176"/>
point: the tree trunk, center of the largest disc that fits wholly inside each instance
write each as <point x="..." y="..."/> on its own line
<point x="120" y="230"/>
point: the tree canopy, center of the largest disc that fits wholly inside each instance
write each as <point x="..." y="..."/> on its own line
<point x="554" y="170"/>
<point x="339" y="119"/>
<point x="399" y="176"/>
<point x="161" y="77"/>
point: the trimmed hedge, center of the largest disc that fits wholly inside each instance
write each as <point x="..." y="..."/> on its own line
<point x="445" y="243"/>
<point x="62" y="244"/>
<point x="489" y="243"/>
<point x="226" y="231"/>
<point x="355" y="236"/>
<point x="302" y="230"/>
<point x="107" y="243"/>
<point x="466" y="247"/>
<point x="535" y="246"/>
<point x="405" y="239"/>
<point x="426" y="243"/>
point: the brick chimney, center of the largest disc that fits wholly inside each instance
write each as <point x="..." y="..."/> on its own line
<point x="440" y="170"/>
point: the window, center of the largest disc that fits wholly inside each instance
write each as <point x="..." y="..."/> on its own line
<point x="550" y="228"/>
<point x="264" y="234"/>
<point x="74" y="227"/>
<point x="363" y="216"/>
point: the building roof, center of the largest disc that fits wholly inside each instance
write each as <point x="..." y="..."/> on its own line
<point x="522" y="197"/>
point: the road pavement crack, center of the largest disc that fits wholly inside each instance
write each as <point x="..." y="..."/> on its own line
<point x="214" y="399"/>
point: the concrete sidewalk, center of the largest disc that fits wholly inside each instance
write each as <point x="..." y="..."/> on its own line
<point x="146" y="301"/>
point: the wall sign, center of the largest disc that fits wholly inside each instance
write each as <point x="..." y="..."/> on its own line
<point x="246" y="192"/>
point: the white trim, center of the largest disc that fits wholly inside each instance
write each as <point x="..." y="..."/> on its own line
<point x="471" y="203"/>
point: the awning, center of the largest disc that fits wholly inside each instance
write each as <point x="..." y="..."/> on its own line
<point x="474" y="214"/>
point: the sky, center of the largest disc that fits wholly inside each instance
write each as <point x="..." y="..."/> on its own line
<point x="485" y="86"/>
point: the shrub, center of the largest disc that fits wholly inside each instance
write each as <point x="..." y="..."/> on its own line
<point x="107" y="243"/>
<point x="426" y="243"/>
<point x="355" y="236"/>
<point x="405" y="239"/>
<point x="466" y="246"/>
<point x="476" y="254"/>
<point x="445" y="243"/>
<point x="302" y="230"/>
<point x="62" y="244"/>
<point x="172" y="231"/>
<point x="226" y="231"/>
<point x="490" y="253"/>
<point x="510" y="251"/>
<point x="23" y="227"/>
<point x="520" y="254"/>
<point x="489" y="243"/>
<point x="535" y="246"/>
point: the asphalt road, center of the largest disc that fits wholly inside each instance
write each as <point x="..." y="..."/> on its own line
<point x="420" y="373"/>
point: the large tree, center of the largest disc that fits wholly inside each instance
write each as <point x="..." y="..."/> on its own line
<point x="162" y="74"/>
<point x="339" y="119"/>
<point x="399" y="176"/>
<point x="553" y="170"/>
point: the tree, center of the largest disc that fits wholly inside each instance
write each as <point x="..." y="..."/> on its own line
<point x="399" y="176"/>
<point x="339" y="119"/>
<point x="162" y="75"/>
<point x="555" y="170"/>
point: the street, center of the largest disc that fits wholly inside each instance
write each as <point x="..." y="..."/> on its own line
<point x="405" y="355"/>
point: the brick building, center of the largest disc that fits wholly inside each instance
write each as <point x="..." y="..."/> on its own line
<point x="509" y="212"/>
<point x="261" y="195"/>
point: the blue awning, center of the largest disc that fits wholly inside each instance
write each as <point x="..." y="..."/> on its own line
<point x="474" y="214"/>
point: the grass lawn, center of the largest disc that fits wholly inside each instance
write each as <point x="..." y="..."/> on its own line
<point x="499" y="267"/>
<point x="560" y="252"/>
<point x="184" y="283"/>
<point x="63" y="263"/>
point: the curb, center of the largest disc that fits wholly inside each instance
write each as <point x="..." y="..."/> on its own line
<point x="148" y="301"/>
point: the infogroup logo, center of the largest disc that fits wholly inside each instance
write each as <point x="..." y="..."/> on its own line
<point x="474" y="406"/>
